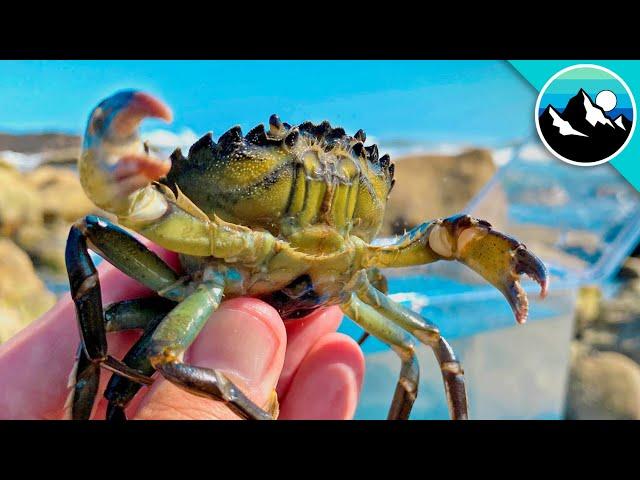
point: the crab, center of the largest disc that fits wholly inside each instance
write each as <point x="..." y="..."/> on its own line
<point x="286" y="214"/>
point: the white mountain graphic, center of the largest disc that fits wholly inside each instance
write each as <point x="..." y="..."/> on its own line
<point x="564" y="126"/>
<point x="582" y="131"/>
<point x="594" y="115"/>
<point x="618" y="122"/>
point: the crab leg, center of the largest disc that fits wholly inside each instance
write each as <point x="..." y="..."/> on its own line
<point x="379" y="281"/>
<point x="498" y="258"/>
<point x="144" y="313"/>
<point x="133" y="258"/>
<point x="401" y="342"/>
<point x="174" y="335"/>
<point x="428" y="334"/>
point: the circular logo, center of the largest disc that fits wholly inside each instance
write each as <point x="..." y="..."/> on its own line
<point x="585" y="115"/>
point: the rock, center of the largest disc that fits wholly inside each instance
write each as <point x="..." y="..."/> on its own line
<point x="61" y="193"/>
<point x="600" y="339"/>
<point x="37" y="143"/>
<point x="432" y="186"/>
<point x="46" y="245"/>
<point x="611" y="324"/>
<point x="37" y="209"/>
<point x="23" y="296"/>
<point x="587" y="307"/>
<point x="20" y="204"/>
<point x="604" y="386"/>
<point x="630" y="269"/>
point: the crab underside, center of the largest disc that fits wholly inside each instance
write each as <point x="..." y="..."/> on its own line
<point x="284" y="214"/>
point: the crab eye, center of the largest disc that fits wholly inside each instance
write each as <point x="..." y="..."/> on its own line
<point x="97" y="121"/>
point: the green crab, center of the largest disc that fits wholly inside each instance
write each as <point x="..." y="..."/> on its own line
<point x="286" y="214"/>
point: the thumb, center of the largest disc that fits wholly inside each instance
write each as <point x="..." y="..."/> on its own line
<point x="246" y="340"/>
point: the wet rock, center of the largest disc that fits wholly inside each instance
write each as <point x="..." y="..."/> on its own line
<point x="23" y="296"/>
<point x="432" y="186"/>
<point x="603" y="386"/>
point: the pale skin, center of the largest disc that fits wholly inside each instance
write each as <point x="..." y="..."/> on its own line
<point x="316" y="371"/>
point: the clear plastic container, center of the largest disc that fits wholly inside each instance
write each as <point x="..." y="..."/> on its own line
<point x="582" y="222"/>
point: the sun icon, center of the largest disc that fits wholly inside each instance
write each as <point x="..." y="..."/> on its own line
<point x="606" y="100"/>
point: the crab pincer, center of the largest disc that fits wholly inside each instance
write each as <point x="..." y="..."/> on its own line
<point x="498" y="258"/>
<point x="116" y="163"/>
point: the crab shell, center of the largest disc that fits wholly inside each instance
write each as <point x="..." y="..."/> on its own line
<point x="288" y="179"/>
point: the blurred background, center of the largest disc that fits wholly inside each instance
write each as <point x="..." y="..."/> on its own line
<point x="463" y="139"/>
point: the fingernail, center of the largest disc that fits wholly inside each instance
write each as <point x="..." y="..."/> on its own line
<point x="238" y="343"/>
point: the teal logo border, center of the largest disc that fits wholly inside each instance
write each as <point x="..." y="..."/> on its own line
<point x="537" y="72"/>
<point x="568" y="69"/>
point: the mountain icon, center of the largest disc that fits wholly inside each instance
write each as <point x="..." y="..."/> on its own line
<point x="583" y="132"/>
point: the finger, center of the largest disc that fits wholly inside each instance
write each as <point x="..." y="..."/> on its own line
<point x="246" y="340"/>
<point x="328" y="382"/>
<point x="301" y="336"/>
<point x="35" y="364"/>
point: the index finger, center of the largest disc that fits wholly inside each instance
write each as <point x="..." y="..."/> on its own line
<point x="36" y="363"/>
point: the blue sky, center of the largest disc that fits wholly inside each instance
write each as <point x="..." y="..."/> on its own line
<point x="484" y="102"/>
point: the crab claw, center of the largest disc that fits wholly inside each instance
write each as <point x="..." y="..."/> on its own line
<point x="135" y="107"/>
<point x="114" y="162"/>
<point x="498" y="258"/>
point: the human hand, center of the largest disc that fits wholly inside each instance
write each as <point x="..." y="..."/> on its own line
<point x="316" y="371"/>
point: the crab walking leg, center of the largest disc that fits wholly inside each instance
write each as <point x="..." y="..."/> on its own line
<point x="428" y="334"/>
<point x="174" y="335"/>
<point x="498" y="258"/>
<point x="401" y="342"/>
<point x="379" y="281"/>
<point x="145" y="313"/>
<point x="133" y="258"/>
<point x="137" y="314"/>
